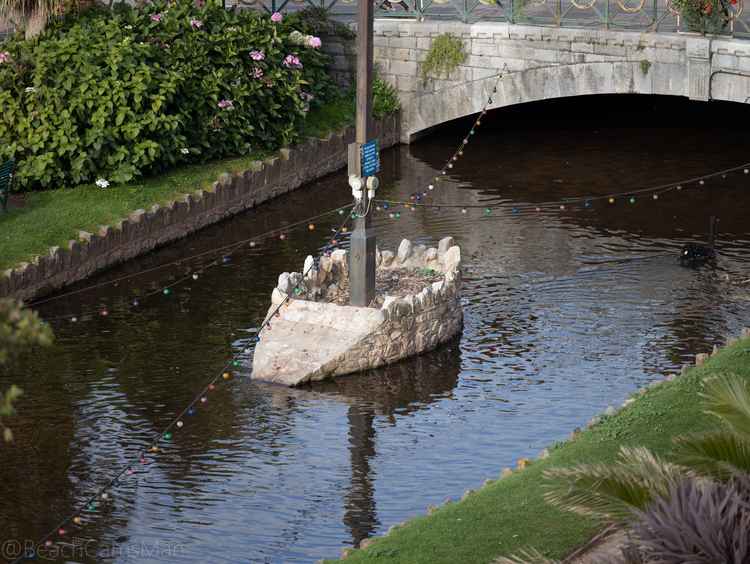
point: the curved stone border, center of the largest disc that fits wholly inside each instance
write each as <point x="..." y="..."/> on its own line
<point x="523" y="463"/>
<point x="333" y="340"/>
<point x="143" y="231"/>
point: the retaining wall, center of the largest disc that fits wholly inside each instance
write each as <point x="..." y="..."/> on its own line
<point x="145" y="230"/>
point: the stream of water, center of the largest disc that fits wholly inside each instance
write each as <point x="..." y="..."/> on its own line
<point x="566" y="312"/>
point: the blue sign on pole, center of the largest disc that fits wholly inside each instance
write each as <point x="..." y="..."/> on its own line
<point x="370" y="158"/>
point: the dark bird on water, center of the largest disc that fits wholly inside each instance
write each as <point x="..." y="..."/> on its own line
<point x="696" y="254"/>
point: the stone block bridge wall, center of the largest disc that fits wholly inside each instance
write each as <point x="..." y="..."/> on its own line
<point x="548" y="62"/>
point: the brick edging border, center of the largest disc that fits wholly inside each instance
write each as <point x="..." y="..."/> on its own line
<point x="143" y="231"/>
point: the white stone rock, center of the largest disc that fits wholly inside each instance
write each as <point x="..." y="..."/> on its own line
<point x="285" y="283"/>
<point x="430" y="255"/>
<point x="444" y="244"/>
<point x="277" y="296"/>
<point x="339" y="256"/>
<point x="404" y="251"/>
<point x="326" y="264"/>
<point x="452" y="259"/>
<point x="388" y="257"/>
<point x="309" y="265"/>
<point x="437" y="287"/>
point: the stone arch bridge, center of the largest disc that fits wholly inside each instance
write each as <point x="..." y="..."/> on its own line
<point x="548" y="62"/>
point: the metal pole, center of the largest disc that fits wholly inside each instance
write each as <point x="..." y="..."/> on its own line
<point x="362" y="250"/>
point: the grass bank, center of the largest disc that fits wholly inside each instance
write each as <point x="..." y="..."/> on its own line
<point x="53" y="217"/>
<point x="509" y="515"/>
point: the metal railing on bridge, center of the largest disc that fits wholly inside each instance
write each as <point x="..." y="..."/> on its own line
<point x="630" y="15"/>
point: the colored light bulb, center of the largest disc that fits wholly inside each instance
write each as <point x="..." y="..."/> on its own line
<point x="179" y="424"/>
<point x="562" y="206"/>
<point x="195" y="276"/>
<point x="463" y="210"/>
<point x="311" y="227"/>
<point x="632" y="199"/>
<point x="226" y="375"/>
<point x="167" y="291"/>
<point x="655" y="196"/>
<point x="282" y="236"/>
<point x="167" y="435"/>
<point x="487" y="211"/>
<point x="611" y="200"/>
<point x="252" y="244"/>
<point x="397" y="214"/>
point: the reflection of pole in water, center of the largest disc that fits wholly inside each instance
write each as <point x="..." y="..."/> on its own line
<point x="359" y="513"/>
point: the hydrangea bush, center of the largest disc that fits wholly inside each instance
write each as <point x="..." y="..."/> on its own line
<point x="116" y="94"/>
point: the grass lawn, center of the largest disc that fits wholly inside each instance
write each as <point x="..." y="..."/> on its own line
<point x="53" y="217"/>
<point x="504" y="517"/>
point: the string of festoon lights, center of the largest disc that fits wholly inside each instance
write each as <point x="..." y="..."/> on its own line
<point x="631" y="196"/>
<point x="586" y="202"/>
<point x="225" y="254"/>
<point x="86" y="510"/>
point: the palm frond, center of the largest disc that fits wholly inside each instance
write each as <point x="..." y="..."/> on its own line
<point x="612" y="491"/>
<point x="700" y="522"/>
<point x="728" y="398"/>
<point x="719" y="453"/>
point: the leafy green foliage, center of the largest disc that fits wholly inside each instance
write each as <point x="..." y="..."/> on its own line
<point x="20" y="329"/>
<point x="385" y="99"/>
<point x="119" y="94"/>
<point x="611" y="491"/>
<point x="705" y="16"/>
<point x="445" y="54"/>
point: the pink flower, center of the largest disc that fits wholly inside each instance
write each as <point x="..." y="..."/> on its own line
<point x="257" y="73"/>
<point x="257" y="55"/>
<point x="276" y="17"/>
<point x="4" y="57"/>
<point x="314" y="42"/>
<point x="292" y="62"/>
<point x="196" y="24"/>
<point x="226" y="104"/>
<point x="156" y="17"/>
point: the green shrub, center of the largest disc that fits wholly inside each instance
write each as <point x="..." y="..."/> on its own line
<point x="445" y="55"/>
<point x="385" y="99"/>
<point x="117" y="94"/>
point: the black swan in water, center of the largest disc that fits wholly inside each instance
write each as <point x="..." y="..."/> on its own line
<point x="695" y="254"/>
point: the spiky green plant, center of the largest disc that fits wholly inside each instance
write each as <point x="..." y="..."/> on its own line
<point x="726" y="451"/>
<point x="701" y="521"/>
<point x="612" y="491"/>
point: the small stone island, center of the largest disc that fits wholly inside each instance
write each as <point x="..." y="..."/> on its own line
<point x="315" y="335"/>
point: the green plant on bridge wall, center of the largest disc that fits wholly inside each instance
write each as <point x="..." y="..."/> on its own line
<point x="445" y="54"/>
<point x="645" y="66"/>
<point x="705" y="16"/>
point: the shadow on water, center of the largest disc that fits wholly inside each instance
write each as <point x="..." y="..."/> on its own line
<point x="566" y="312"/>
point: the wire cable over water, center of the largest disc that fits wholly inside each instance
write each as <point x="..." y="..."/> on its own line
<point x="89" y="505"/>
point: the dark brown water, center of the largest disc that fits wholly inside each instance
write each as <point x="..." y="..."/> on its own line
<point x="567" y="312"/>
